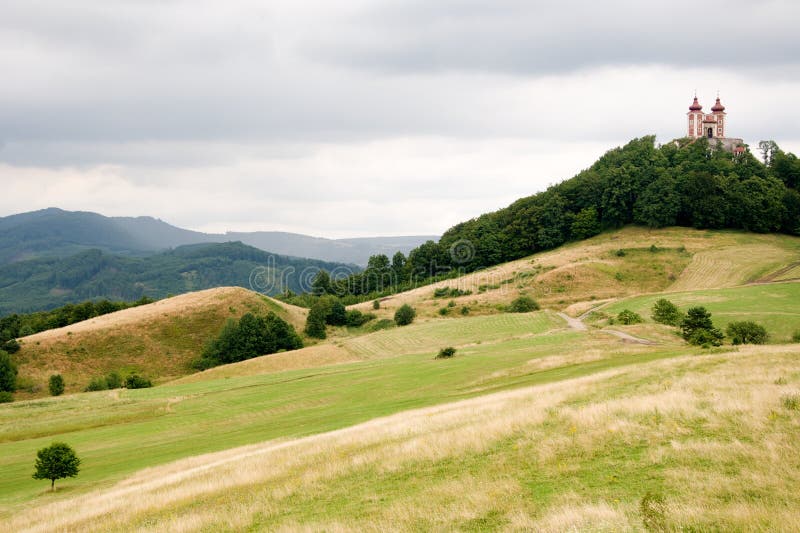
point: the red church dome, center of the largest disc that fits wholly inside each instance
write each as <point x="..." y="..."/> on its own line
<point x="695" y="105"/>
<point x="718" y="107"/>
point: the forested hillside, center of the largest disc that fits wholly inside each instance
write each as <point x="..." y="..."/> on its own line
<point x="93" y="274"/>
<point x="683" y="183"/>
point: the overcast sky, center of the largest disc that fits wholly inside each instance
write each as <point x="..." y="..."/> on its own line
<point x="354" y="117"/>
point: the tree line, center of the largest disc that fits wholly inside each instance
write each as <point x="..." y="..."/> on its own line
<point x="687" y="183"/>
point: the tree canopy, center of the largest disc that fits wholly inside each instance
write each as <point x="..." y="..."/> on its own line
<point x="56" y="461"/>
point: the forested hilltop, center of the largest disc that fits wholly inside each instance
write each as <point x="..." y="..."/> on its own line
<point x="683" y="183"/>
<point x="46" y="283"/>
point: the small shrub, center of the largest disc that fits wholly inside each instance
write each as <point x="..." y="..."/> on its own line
<point x="746" y="332"/>
<point x="780" y="381"/>
<point x="618" y="276"/>
<point x="796" y="336"/>
<point x="56" y="385"/>
<point x="135" y="381"/>
<point x="666" y="312"/>
<point x="653" y="249"/>
<point x="620" y="253"/>
<point x="523" y="304"/>
<point x="446" y="353"/>
<point x="404" y="315"/>
<point x="113" y="380"/>
<point x="356" y="318"/>
<point x="791" y="402"/>
<point x="465" y="310"/>
<point x="653" y="509"/>
<point x="628" y="317"/>
<point x="443" y="311"/>
<point x="441" y="292"/>
<point x="97" y="384"/>
<point x="6" y="397"/>
<point x="376" y="304"/>
<point x="451" y="303"/>
<point x="706" y="337"/>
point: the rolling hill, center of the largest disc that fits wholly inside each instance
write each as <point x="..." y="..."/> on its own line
<point x="159" y="340"/>
<point x="57" y="233"/>
<point x="535" y="424"/>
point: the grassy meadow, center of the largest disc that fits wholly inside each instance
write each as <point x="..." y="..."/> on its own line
<point x="531" y="426"/>
<point x="712" y="437"/>
<point x="776" y="306"/>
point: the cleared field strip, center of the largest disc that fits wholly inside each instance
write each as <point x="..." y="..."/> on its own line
<point x="432" y="335"/>
<point x="736" y="265"/>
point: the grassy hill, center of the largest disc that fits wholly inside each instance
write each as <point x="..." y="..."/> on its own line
<point x="533" y="425"/>
<point x="614" y="265"/>
<point x="159" y="340"/>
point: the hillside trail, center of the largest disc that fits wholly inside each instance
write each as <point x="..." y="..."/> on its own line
<point x="578" y="325"/>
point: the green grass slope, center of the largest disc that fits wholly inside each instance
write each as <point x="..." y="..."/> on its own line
<point x="119" y="432"/>
<point x="712" y="437"/>
<point x="776" y="306"/>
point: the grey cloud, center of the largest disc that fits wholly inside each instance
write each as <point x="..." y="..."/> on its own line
<point x="543" y="37"/>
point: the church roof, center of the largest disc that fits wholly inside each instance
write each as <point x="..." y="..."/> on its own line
<point x="718" y="107"/>
<point x="695" y="105"/>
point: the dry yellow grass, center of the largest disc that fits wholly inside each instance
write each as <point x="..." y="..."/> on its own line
<point x="586" y="271"/>
<point x="159" y="339"/>
<point x="712" y="427"/>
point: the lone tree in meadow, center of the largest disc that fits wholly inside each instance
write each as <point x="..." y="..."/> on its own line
<point x="404" y="315"/>
<point x="57" y="461"/>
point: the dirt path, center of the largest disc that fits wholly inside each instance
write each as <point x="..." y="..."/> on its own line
<point x="578" y="325"/>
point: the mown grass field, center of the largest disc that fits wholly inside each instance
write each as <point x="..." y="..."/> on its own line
<point x="712" y="436"/>
<point x="776" y="306"/>
<point x="119" y="432"/>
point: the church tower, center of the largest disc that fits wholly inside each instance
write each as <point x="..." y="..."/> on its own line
<point x="712" y="126"/>
<point x="706" y="125"/>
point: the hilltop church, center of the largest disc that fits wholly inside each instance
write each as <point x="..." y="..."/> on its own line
<point x="711" y="126"/>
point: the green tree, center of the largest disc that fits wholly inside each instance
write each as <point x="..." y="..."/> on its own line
<point x="586" y="224"/>
<point x="404" y="315"/>
<point x="56" y="385"/>
<point x="8" y="373"/>
<point x="315" y="322"/>
<point x="746" y="332"/>
<point x="337" y="316"/>
<point x="658" y="204"/>
<point x="698" y="328"/>
<point x="399" y="267"/>
<point x="56" y="461"/>
<point x="666" y="312"/>
<point x="321" y="284"/>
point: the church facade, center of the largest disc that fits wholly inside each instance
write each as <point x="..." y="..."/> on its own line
<point x="711" y="126"/>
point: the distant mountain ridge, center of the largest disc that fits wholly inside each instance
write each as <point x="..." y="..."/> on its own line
<point x="54" y="232"/>
<point x="93" y="274"/>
